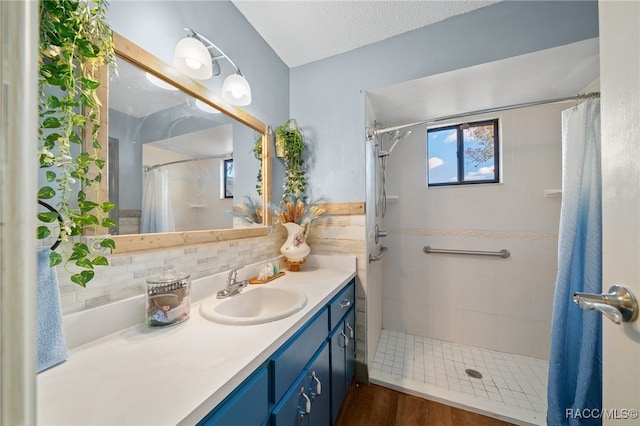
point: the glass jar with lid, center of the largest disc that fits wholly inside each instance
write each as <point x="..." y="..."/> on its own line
<point x="168" y="300"/>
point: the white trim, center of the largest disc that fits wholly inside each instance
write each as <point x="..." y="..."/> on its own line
<point x="18" y="135"/>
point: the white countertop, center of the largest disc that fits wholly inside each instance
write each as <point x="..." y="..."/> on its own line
<point x="173" y="375"/>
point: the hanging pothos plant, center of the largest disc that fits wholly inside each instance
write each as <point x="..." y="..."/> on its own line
<point x="257" y="152"/>
<point x="74" y="42"/>
<point x="290" y="141"/>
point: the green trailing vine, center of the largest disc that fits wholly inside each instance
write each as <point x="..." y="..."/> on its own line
<point x="257" y="152"/>
<point x="290" y="139"/>
<point x="74" y="42"/>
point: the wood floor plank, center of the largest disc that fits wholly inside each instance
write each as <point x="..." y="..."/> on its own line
<point x="412" y="410"/>
<point x="373" y="405"/>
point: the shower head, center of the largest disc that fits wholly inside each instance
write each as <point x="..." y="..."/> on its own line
<point x="394" y="135"/>
<point x="395" y="138"/>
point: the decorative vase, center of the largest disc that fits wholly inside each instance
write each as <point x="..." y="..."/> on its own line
<point x="295" y="248"/>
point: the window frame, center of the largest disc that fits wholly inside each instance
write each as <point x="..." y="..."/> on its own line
<point x="227" y="178"/>
<point x="460" y="164"/>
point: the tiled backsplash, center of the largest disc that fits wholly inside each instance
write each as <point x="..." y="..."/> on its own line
<point x="127" y="274"/>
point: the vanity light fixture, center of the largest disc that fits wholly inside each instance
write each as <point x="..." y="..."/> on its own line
<point x="197" y="57"/>
<point x="206" y="107"/>
<point x="160" y="83"/>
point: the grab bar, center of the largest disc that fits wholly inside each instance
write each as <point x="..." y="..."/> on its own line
<point x="504" y="253"/>
<point x="373" y="258"/>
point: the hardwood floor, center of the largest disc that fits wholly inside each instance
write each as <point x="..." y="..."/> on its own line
<point x="373" y="405"/>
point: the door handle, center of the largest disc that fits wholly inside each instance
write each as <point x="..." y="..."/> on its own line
<point x="619" y="305"/>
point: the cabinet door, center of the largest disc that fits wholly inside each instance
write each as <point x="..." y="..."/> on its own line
<point x="319" y="389"/>
<point x="292" y="409"/>
<point x="350" y="352"/>
<point x="338" y="371"/>
<point x="246" y="406"/>
<point x="343" y="344"/>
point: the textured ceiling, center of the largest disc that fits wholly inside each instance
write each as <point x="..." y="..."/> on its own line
<point x="303" y="31"/>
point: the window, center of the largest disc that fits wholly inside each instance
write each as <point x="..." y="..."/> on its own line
<point x="228" y="178"/>
<point x="463" y="154"/>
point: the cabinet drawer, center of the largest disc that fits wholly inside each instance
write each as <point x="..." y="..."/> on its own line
<point x="291" y="410"/>
<point x="246" y="406"/>
<point x="289" y="361"/>
<point x="341" y="303"/>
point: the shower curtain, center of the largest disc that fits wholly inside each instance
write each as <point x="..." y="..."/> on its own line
<point x="575" y="363"/>
<point x="157" y="214"/>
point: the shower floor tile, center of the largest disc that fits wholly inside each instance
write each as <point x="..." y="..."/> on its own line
<point x="512" y="388"/>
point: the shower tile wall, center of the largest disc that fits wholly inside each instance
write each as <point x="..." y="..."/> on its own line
<point x="488" y="302"/>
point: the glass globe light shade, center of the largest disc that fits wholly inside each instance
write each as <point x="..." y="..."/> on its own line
<point x="236" y="90"/>
<point x="193" y="59"/>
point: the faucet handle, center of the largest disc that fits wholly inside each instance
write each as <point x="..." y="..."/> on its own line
<point x="232" y="275"/>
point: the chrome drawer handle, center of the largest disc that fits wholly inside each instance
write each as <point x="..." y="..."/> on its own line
<point x="318" y="389"/>
<point x="350" y="330"/>
<point x="345" y="303"/>
<point x="307" y="405"/>
<point x="346" y="339"/>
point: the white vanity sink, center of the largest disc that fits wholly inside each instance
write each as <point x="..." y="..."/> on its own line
<point x="255" y="305"/>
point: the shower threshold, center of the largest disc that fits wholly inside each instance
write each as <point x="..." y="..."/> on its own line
<point x="512" y="388"/>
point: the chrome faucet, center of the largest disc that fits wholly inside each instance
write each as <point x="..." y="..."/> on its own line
<point x="233" y="286"/>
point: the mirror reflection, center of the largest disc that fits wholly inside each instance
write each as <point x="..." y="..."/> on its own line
<point x="175" y="163"/>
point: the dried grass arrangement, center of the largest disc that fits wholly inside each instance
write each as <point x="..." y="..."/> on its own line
<point x="297" y="211"/>
<point x="250" y="212"/>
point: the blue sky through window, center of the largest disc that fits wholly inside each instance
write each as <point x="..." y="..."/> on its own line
<point x="442" y="152"/>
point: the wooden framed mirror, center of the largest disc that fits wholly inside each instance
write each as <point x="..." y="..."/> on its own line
<point x="160" y="119"/>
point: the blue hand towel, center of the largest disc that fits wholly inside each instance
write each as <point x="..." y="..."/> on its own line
<point x="52" y="348"/>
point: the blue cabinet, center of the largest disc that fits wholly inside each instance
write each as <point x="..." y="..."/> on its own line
<point x="307" y="400"/>
<point x="288" y="361"/>
<point x="319" y="380"/>
<point x="350" y="352"/>
<point x="247" y="405"/>
<point x="342" y="340"/>
<point x="305" y="381"/>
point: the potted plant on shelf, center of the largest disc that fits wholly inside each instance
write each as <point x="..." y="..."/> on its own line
<point x="295" y="212"/>
<point x="74" y="42"/>
<point x="290" y="147"/>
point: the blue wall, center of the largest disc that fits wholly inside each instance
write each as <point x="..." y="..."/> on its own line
<point x="157" y="26"/>
<point x="328" y="96"/>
